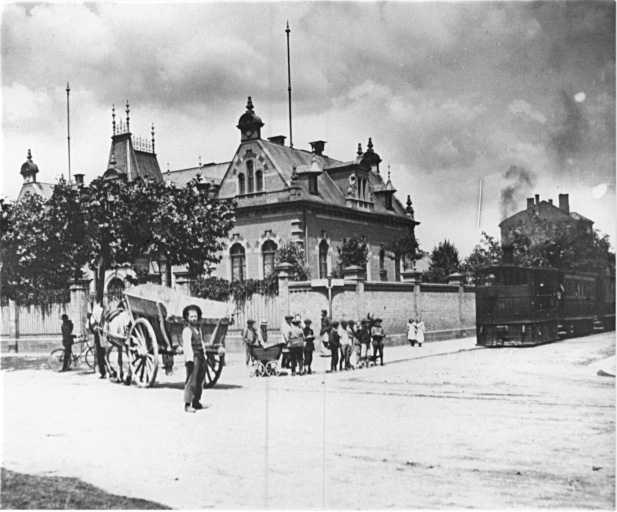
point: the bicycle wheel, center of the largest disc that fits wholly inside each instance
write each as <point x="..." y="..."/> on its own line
<point x="90" y="357"/>
<point x="56" y="359"/>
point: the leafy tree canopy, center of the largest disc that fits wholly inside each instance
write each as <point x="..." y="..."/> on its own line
<point x="352" y="251"/>
<point x="294" y="254"/>
<point x="444" y="261"/>
<point x="405" y="247"/>
<point x="487" y="253"/>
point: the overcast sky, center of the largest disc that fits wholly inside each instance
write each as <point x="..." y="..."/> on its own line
<point x="518" y="95"/>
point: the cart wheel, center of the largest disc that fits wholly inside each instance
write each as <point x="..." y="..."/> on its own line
<point x="214" y="367"/>
<point x="56" y="359"/>
<point x="272" y="369"/>
<point x="119" y="367"/>
<point x="89" y="357"/>
<point x="143" y="353"/>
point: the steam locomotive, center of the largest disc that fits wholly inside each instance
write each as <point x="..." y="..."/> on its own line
<point x="518" y="306"/>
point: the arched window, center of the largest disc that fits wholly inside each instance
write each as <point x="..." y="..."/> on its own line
<point x="241" y="184"/>
<point x="259" y="181"/>
<point x="268" y="251"/>
<point x="323" y="259"/>
<point x="238" y="262"/>
<point x="251" y="177"/>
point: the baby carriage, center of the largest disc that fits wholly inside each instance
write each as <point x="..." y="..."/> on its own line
<point x="265" y="359"/>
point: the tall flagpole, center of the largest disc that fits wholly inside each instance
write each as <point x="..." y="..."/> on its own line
<point x="480" y="203"/>
<point x="68" y="125"/>
<point x="291" y="140"/>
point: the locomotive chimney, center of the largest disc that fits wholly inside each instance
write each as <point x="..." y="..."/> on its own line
<point x="508" y="254"/>
<point x="564" y="203"/>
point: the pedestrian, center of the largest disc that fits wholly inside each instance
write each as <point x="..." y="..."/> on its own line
<point x="285" y="328"/>
<point x="194" y="359"/>
<point x="365" y="341"/>
<point x="324" y="332"/>
<point x="420" y="330"/>
<point x="296" y="347"/>
<point x="411" y="332"/>
<point x="345" y="346"/>
<point x="67" y="341"/>
<point x="309" y="346"/>
<point x="352" y="332"/>
<point x="249" y="336"/>
<point x="377" y="336"/>
<point x="299" y="317"/>
<point x="335" y="344"/>
<point x="262" y="333"/>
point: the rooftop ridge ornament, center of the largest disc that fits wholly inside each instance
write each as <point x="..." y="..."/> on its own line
<point x="370" y="145"/>
<point x="359" y="152"/>
<point x="29" y="155"/>
<point x="128" y="110"/>
<point x="152" y="132"/>
<point x="249" y="104"/>
<point x="113" y="118"/>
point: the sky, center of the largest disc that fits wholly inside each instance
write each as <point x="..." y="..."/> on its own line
<point x="473" y="106"/>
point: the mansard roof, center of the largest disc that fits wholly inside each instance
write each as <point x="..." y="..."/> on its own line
<point x="211" y="172"/>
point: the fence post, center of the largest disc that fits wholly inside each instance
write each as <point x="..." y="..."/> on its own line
<point x="13" y="326"/>
<point x="285" y="272"/>
<point x="78" y="307"/>
<point x="459" y="280"/>
<point x="414" y="277"/>
<point x="183" y="282"/>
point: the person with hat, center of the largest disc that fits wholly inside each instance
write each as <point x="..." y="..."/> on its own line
<point x="309" y="347"/>
<point x="335" y="345"/>
<point x="67" y="341"/>
<point x="378" y="335"/>
<point x="262" y="333"/>
<point x="365" y="340"/>
<point x="324" y="333"/>
<point x="285" y="329"/>
<point x="194" y="359"/>
<point x="296" y="347"/>
<point x="249" y="336"/>
<point x="352" y="332"/>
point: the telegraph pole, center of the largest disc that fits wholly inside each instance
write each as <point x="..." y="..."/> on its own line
<point x="291" y="140"/>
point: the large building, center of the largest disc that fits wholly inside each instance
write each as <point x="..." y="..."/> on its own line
<point x="283" y="194"/>
<point x="525" y="221"/>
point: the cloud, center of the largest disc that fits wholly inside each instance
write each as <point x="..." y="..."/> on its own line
<point x="522" y="107"/>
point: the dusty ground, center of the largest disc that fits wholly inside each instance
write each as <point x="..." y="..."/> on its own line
<point x="434" y="428"/>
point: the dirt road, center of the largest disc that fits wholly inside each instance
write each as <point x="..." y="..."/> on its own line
<point x="500" y="428"/>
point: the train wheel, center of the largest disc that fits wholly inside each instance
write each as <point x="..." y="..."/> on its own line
<point x="214" y="367"/>
<point x="143" y="353"/>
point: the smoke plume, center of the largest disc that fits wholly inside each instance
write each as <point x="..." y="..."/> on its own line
<point x="521" y="180"/>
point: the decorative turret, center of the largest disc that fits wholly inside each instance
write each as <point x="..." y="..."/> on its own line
<point x="250" y="123"/>
<point x="29" y="169"/>
<point x="370" y="158"/>
<point x="409" y="209"/>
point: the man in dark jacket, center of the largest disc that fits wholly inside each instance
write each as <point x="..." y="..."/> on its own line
<point x="324" y="332"/>
<point x="365" y="340"/>
<point x="309" y="347"/>
<point x="67" y="341"/>
<point x="335" y="345"/>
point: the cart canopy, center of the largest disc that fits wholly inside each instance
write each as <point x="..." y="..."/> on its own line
<point x="175" y="302"/>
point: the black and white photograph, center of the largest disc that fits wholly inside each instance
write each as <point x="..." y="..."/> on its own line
<point x="292" y="255"/>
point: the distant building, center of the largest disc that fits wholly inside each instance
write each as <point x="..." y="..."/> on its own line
<point x="29" y="170"/>
<point x="524" y="222"/>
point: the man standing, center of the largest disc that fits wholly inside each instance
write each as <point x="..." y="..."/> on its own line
<point x="262" y="334"/>
<point x="194" y="358"/>
<point x="335" y="345"/>
<point x="285" y="329"/>
<point x="324" y="333"/>
<point x="365" y="341"/>
<point x="249" y="336"/>
<point x="378" y="334"/>
<point x="309" y="347"/>
<point x="67" y="341"/>
<point x="296" y="347"/>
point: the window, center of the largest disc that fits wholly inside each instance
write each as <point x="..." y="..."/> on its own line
<point x="268" y="251"/>
<point x="241" y="184"/>
<point x="114" y="290"/>
<point x="397" y="268"/>
<point x="238" y="262"/>
<point x="382" y="260"/>
<point x="259" y="179"/>
<point x="388" y="199"/>
<point x="313" y="184"/>
<point x="251" y="177"/>
<point x="323" y="259"/>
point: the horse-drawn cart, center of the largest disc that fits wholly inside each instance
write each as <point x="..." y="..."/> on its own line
<point x="153" y="332"/>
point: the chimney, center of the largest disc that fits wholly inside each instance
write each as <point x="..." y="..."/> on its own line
<point x="278" y="139"/>
<point x="529" y="203"/>
<point x="550" y="201"/>
<point x="79" y="179"/>
<point x="318" y="146"/>
<point x="564" y="203"/>
<point x="537" y="198"/>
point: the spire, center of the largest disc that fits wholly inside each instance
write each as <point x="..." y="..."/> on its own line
<point x="359" y="153"/>
<point x="409" y="210"/>
<point x="370" y="145"/>
<point x="249" y="104"/>
<point x="128" y="110"/>
<point x="154" y="152"/>
<point x="113" y="119"/>
<point x="29" y="156"/>
<point x="200" y="160"/>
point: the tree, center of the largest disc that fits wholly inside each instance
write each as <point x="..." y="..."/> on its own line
<point x="444" y="261"/>
<point x="294" y="254"/>
<point x="353" y="251"/>
<point x="405" y="248"/>
<point x="487" y="253"/>
<point x="110" y="224"/>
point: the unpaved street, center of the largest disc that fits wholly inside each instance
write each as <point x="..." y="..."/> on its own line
<point x="500" y="428"/>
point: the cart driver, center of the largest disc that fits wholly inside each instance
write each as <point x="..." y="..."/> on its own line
<point x="194" y="358"/>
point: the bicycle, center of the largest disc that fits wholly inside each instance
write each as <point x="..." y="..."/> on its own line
<point x="86" y="352"/>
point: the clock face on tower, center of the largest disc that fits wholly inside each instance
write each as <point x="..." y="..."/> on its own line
<point x="249" y="134"/>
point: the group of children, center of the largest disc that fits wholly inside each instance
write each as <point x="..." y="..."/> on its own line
<point x="415" y="331"/>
